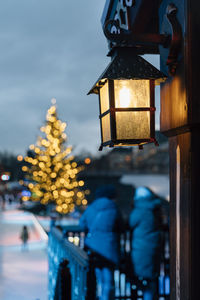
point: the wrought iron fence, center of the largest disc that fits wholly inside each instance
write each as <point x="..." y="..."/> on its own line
<point x="71" y="266"/>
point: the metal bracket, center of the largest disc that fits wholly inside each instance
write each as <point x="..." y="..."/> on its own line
<point x="176" y="39"/>
<point x="128" y="38"/>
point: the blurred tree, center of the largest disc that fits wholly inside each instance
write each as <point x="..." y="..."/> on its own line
<point x="52" y="171"/>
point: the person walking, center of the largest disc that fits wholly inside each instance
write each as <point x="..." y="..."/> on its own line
<point x="102" y="222"/>
<point x="3" y="201"/>
<point x="145" y="222"/>
<point x="24" y="236"/>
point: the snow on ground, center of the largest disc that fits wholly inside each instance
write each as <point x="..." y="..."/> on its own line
<point x="23" y="274"/>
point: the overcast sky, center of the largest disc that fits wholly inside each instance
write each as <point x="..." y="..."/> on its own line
<point x="50" y="48"/>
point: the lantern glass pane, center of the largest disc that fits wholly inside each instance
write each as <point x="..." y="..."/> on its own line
<point x="133" y="125"/>
<point x="104" y="98"/>
<point x="105" y="122"/>
<point x="132" y="93"/>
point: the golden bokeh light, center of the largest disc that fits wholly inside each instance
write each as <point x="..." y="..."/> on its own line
<point x="84" y="202"/>
<point x="31" y="185"/>
<point x="81" y="183"/>
<point x="87" y="161"/>
<point x="53" y="171"/>
<point x="19" y="157"/>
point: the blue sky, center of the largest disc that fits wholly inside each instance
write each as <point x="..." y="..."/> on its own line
<point x="50" y="49"/>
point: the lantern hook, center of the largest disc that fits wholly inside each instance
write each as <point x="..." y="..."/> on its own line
<point x="124" y="37"/>
<point x="127" y="36"/>
<point x="176" y="39"/>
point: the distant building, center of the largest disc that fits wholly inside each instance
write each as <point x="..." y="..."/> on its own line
<point x="151" y="159"/>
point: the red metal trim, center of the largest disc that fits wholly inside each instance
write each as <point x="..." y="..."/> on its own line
<point x="100" y="119"/>
<point x="127" y="109"/>
<point x="112" y="112"/>
<point x="152" y="105"/>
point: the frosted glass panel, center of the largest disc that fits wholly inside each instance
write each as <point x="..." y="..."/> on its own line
<point x="106" y="128"/>
<point x="133" y="125"/>
<point x="132" y="93"/>
<point x="104" y="98"/>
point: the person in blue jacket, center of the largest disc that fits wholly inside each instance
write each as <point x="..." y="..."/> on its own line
<point x="102" y="221"/>
<point x="145" y="222"/>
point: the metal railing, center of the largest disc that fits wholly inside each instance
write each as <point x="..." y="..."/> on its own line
<point x="71" y="269"/>
<point x="67" y="264"/>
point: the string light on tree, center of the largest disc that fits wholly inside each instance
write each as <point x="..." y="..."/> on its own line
<point x="53" y="171"/>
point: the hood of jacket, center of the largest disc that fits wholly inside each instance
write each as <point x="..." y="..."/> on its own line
<point x="144" y="198"/>
<point x="104" y="203"/>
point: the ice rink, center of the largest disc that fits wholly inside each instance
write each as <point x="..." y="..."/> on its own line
<point x="23" y="273"/>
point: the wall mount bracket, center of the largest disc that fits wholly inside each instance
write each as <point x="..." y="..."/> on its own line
<point x="124" y="37"/>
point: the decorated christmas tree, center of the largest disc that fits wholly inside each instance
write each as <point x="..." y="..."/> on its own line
<point x="51" y="170"/>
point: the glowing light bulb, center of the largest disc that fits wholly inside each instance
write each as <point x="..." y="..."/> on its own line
<point x="76" y="240"/>
<point x="79" y="194"/>
<point x="59" y="208"/>
<point x="87" y="161"/>
<point x="81" y="183"/>
<point x="124" y="97"/>
<point x="37" y="150"/>
<point x="84" y="202"/>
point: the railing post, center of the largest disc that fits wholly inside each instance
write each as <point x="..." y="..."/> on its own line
<point x="63" y="290"/>
<point x="91" y="279"/>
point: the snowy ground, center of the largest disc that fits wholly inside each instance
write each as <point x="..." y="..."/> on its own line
<point x="23" y="274"/>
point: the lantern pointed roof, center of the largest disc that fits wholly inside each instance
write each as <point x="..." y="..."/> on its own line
<point x="125" y="64"/>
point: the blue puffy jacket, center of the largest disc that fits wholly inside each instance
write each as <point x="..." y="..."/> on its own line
<point x="146" y="239"/>
<point x="102" y="221"/>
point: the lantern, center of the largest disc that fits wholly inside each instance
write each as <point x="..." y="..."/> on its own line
<point x="126" y="100"/>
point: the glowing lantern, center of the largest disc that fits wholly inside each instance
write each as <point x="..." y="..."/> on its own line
<point x="126" y="99"/>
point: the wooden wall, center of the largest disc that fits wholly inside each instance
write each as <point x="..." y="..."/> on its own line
<point x="180" y="121"/>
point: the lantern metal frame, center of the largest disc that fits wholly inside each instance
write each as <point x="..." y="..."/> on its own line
<point x="114" y="141"/>
<point x="126" y="65"/>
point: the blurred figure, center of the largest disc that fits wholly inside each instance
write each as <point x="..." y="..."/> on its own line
<point x="3" y="202"/>
<point x="11" y="199"/>
<point x="6" y="197"/>
<point x="102" y="221"/>
<point x="145" y="222"/>
<point x="24" y="236"/>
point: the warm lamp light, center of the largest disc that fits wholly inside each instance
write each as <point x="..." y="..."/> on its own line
<point x="19" y="157"/>
<point x="87" y="160"/>
<point x="126" y="99"/>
